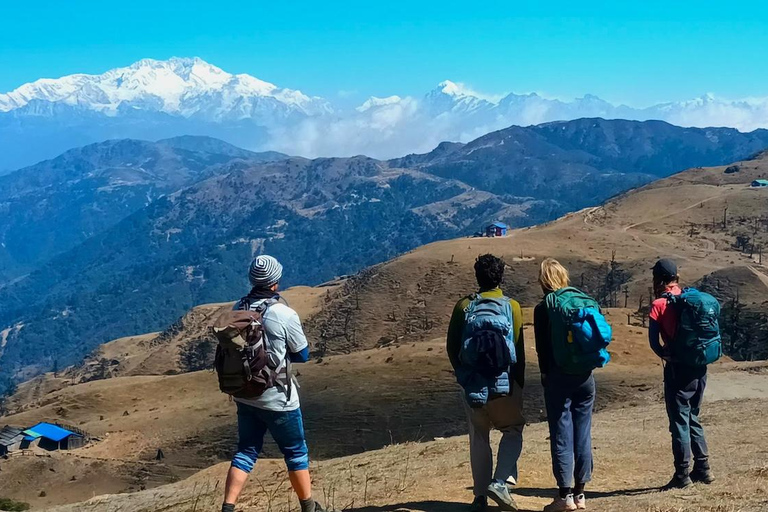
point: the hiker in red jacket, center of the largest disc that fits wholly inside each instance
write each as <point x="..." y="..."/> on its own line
<point x="684" y="384"/>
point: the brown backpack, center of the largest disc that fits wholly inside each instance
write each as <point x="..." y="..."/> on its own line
<point x="242" y="357"/>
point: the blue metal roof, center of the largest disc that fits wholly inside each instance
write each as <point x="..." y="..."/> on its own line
<point x="48" y="431"/>
<point x="500" y="225"/>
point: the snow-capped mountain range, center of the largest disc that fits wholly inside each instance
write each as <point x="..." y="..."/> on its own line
<point x="158" y="99"/>
<point x="185" y="87"/>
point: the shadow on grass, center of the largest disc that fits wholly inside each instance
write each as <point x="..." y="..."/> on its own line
<point x="426" y="506"/>
<point x="533" y="492"/>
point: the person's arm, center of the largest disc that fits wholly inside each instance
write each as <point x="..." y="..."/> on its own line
<point x="299" y="357"/>
<point x="654" y="339"/>
<point x="543" y="337"/>
<point x="453" y="339"/>
<point x="658" y="309"/>
<point x="295" y="340"/>
<point x="519" y="369"/>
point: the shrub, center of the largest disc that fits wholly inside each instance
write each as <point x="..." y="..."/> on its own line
<point x="13" y="505"/>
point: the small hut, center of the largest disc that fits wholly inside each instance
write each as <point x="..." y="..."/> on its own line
<point x="760" y="183"/>
<point x="496" y="229"/>
<point x="10" y="440"/>
<point x="53" y="437"/>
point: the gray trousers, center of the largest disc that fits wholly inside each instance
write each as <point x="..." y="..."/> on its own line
<point x="683" y="393"/>
<point x="506" y="415"/>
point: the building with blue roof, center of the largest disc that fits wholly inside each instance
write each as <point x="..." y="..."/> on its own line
<point x="52" y="437"/>
<point x="496" y="229"/>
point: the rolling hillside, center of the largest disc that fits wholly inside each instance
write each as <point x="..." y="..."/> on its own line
<point x="385" y="377"/>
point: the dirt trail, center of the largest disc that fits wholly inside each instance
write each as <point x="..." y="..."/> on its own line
<point x="760" y="274"/>
<point x="678" y="212"/>
<point x="737" y="385"/>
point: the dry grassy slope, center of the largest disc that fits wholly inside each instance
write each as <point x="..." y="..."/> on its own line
<point x="353" y="403"/>
<point x="750" y="281"/>
<point x="631" y="451"/>
<point x="413" y="295"/>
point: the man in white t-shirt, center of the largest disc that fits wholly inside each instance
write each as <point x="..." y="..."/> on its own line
<point x="277" y="410"/>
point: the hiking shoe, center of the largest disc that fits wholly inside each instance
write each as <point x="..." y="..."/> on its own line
<point x="562" y="504"/>
<point x="479" y="505"/>
<point x="580" y="501"/>
<point x="703" y="476"/>
<point x="499" y="492"/>
<point x="678" y="482"/>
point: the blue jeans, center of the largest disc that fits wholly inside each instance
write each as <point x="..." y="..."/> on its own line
<point x="287" y="429"/>
<point x="683" y="393"/>
<point x="569" y="401"/>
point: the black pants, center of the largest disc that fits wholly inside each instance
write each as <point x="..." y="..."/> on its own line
<point x="683" y="393"/>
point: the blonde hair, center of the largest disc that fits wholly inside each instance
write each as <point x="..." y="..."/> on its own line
<point x="552" y="275"/>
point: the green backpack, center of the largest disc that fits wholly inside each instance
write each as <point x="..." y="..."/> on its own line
<point x="697" y="341"/>
<point x="579" y="332"/>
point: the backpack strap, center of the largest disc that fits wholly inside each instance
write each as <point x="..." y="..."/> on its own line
<point x="473" y="300"/>
<point x="285" y="367"/>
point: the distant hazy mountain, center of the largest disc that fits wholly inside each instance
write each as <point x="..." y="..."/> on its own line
<point x="578" y="163"/>
<point x="48" y="208"/>
<point x="322" y="217"/>
<point x="153" y="100"/>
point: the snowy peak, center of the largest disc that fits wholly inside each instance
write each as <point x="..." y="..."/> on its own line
<point x="455" y="97"/>
<point x="374" y="102"/>
<point x="182" y="86"/>
<point x="453" y="89"/>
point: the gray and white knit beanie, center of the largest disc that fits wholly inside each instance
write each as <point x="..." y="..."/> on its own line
<point x="265" y="271"/>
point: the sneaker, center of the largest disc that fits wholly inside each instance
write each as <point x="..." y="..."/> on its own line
<point x="561" y="504"/>
<point x="499" y="492"/>
<point x="580" y="501"/>
<point x="678" y="482"/>
<point x="479" y="505"/>
<point x="703" y="476"/>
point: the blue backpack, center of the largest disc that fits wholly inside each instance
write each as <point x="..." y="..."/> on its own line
<point x="580" y="333"/>
<point x="697" y="341"/>
<point x="488" y="348"/>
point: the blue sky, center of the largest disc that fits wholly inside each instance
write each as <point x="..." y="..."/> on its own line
<point x="633" y="52"/>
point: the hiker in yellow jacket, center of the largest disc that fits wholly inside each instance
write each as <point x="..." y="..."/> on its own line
<point x="486" y="349"/>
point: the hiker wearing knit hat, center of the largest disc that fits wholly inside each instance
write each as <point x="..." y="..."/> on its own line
<point x="277" y="409"/>
<point x="265" y="272"/>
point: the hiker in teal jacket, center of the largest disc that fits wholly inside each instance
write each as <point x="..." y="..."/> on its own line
<point x="491" y="402"/>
